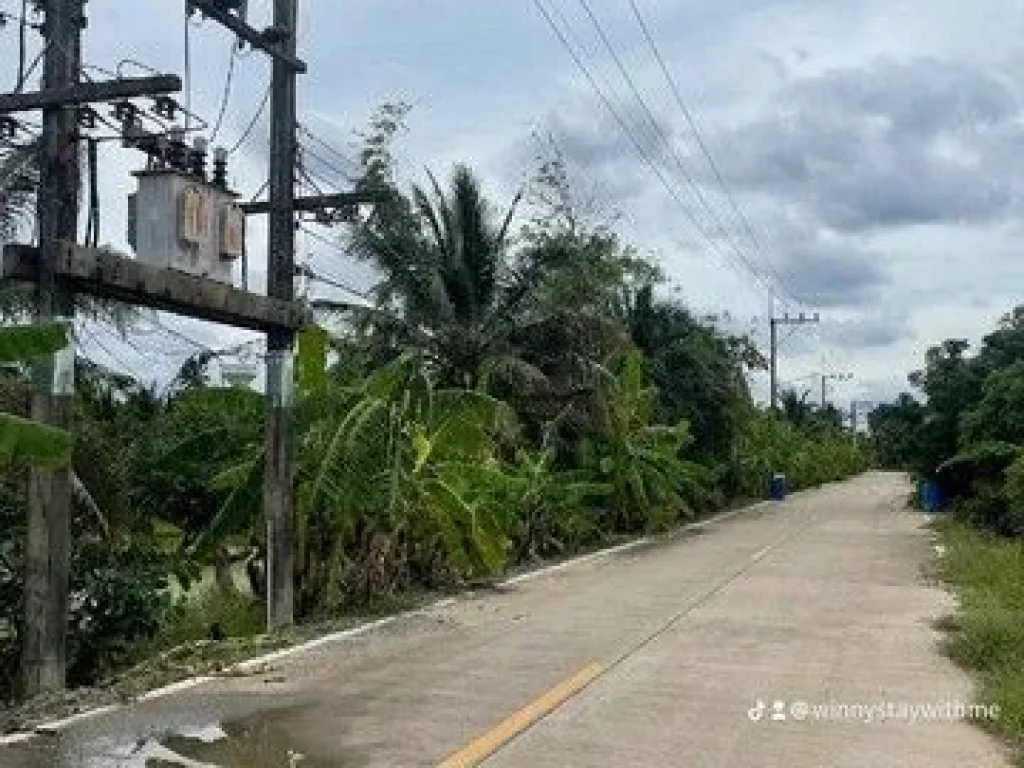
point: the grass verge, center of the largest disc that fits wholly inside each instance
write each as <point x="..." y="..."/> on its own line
<point x="986" y="635"/>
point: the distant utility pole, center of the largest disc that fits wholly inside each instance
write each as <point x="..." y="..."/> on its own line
<point x="800" y="319"/>
<point x="827" y="377"/>
<point x="277" y="488"/>
<point x="44" y="650"/>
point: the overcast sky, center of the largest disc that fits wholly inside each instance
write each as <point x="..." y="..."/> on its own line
<point x="876" y="147"/>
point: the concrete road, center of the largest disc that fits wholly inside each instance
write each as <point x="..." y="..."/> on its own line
<point x="795" y="635"/>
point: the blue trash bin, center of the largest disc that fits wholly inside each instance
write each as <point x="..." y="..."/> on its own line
<point x="778" y="487"/>
<point x="930" y="495"/>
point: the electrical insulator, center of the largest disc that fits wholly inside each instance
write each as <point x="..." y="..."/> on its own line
<point x="165" y="107"/>
<point x="220" y="168"/>
<point x="198" y="158"/>
<point x="125" y="112"/>
<point x="160" y="151"/>
<point x="8" y="127"/>
<point x="87" y="118"/>
<point x="177" y="150"/>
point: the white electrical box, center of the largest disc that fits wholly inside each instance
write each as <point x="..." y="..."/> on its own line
<point x="184" y="223"/>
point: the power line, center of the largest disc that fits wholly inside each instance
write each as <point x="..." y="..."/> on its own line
<point x="673" y="192"/>
<point x="623" y="125"/>
<point x="25" y="69"/>
<point x="178" y="334"/>
<point x="252" y="123"/>
<point x="310" y="181"/>
<point x="261" y="190"/>
<point x="346" y="176"/>
<point x="320" y="238"/>
<point x="226" y="94"/>
<point x="25" y="73"/>
<point x="323" y="276"/>
<point x="119" y="361"/>
<point x="695" y="130"/>
<point x="305" y="175"/>
<point x="660" y="135"/>
<point x="198" y="345"/>
<point x="327" y="146"/>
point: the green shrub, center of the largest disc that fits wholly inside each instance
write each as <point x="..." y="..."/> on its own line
<point x="118" y="600"/>
<point x="978" y="462"/>
<point x="769" y="444"/>
<point x="1013" y="495"/>
<point x="975" y="480"/>
<point x="117" y="603"/>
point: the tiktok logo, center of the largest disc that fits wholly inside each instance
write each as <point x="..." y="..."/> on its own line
<point x="756" y="712"/>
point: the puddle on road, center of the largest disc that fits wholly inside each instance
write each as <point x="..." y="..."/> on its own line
<point x="253" y="742"/>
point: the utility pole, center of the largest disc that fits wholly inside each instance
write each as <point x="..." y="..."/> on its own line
<point x="44" y="651"/>
<point x="60" y="268"/>
<point x="281" y="44"/>
<point x="774" y="363"/>
<point x="277" y="487"/>
<point x="800" y="319"/>
<point x="825" y="378"/>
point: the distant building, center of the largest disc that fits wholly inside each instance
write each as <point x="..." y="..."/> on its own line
<point x="238" y="375"/>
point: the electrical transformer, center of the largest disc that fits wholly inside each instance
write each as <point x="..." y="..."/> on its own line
<point x="179" y="220"/>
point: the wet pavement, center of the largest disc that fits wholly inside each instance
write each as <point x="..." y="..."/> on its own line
<point x="218" y="732"/>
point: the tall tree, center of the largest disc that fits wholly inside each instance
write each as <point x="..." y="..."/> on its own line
<point x="699" y="372"/>
<point x="953" y="386"/>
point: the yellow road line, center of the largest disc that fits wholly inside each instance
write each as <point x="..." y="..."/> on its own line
<point x="488" y="743"/>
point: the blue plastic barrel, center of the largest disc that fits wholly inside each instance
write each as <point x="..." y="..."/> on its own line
<point x="930" y="495"/>
<point x="778" y="487"/>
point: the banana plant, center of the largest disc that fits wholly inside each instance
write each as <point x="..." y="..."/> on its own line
<point x="653" y="483"/>
<point x="557" y="508"/>
<point x="20" y="438"/>
<point x="388" y="460"/>
<point x="413" y="463"/>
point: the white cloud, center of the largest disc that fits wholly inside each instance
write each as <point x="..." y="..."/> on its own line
<point x="874" y="144"/>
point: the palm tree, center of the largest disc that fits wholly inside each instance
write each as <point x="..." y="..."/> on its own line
<point x="795" y="408"/>
<point x="449" y="280"/>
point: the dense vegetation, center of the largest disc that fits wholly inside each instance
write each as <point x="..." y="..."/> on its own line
<point x="967" y="437"/>
<point x="520" y="389"/>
